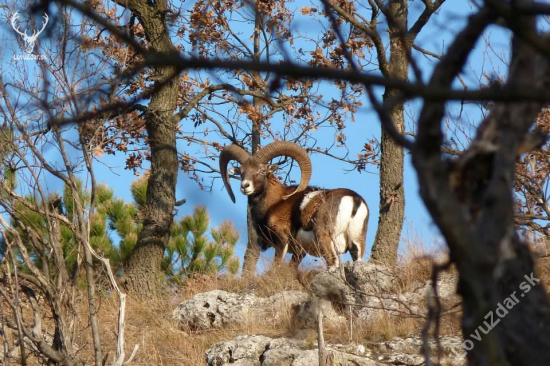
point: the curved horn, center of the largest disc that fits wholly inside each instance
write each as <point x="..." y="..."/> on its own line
<point x="231" y="152"/>
<point x="290" y="149"/>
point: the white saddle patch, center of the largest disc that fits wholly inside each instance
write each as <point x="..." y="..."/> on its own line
<point x="308" y="197"/>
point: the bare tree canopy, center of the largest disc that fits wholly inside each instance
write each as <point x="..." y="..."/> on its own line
<point x="145" y="70"/>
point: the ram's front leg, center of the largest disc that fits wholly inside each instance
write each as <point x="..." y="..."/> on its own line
<point x="328" y="250"/>
<point x="279" y="255"/>
<point x="281" y="249"/>
<point x="278" y="234"/>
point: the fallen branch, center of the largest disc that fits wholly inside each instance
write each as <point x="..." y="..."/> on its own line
<point x="120" y="354"/>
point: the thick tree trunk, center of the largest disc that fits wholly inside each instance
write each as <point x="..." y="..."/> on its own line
<point x="392" y="196"/>
<point x="144" y="277"/>
<point x="526" y="328"/>
<point x="502" y="295"/>
<point x="502" y="324"/>
<point x="506" y="311"/>
<point x="392" y="193"/>
<point x="252" y="253"/>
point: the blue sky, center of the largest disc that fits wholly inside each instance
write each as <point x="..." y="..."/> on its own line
<point x="327" y="172"/>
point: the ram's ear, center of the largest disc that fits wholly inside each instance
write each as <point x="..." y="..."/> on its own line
<point x="272" y="168"/>
<point x="236" y="170"/>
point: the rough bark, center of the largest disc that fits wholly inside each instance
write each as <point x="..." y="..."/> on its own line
<point x="144" y="277"/>
<point x="392" y="193"/>
<point x="252" y="253"/>
<point x="471" y="200"/>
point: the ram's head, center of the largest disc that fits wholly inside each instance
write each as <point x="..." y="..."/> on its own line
<point x="255" y="169"/>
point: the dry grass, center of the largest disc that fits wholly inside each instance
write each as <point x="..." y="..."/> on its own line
<point x="275" y="280"/>
<point x="543" y="270"/>
<point x="150" y="324"/>
<point x="162" y="342"/>
<point x="416" y="264"/>
<point x="379" y="329"/>
<point x="416" y="267"/>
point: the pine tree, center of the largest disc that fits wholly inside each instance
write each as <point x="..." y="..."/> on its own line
<point x="190" y="250"/>
<point x="125" y="220"/>
<point x="41" y="249"/>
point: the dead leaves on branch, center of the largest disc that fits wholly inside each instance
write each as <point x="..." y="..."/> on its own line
<point x="210" y="24"/>
<point x="226" y="30"/>
<point x="533" y="185"/>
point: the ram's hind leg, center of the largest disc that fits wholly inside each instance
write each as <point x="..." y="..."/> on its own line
<point x="357" y="232"/>
<point x="333" y="261"/>
<point x="356" y="246"/>
<point x="328" y="251"/>
<point x="357" y="250"/>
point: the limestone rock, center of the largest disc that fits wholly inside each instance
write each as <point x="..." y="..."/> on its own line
<point x="259" y="350"/>
<point x="352" y="282"/>
<point x="446" y="286"/>
<point x="306" y="315"/>
<point x="243" y="350"/>
<point x="369" y="277"/>
<point x="366" y="285"/>
<point x="218" y="308"/>
<point x="369" y="286"/>
<point x="331" y="285"/>
<point x="263" y="351"/>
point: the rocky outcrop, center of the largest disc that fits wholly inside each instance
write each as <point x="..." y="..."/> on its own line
<point x="369" y="287"/>
<point x="259" y="350"/>
<point x="404" y="304"/>
<point x="216" y="309"/>
<point x="219" y="308"/>
<point x="365" y="286"/>
<point x="347" y="283"/>
<point x="369" y="277"/>
<point x="359" y="290"/>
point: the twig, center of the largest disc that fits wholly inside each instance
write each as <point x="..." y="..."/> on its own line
<point x="325" y="359"/>
<point x="121" y="312"/>
<point x="4" y="337"/>
<point x="16" y="305"/>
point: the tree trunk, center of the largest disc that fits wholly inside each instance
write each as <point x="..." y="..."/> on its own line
<point x="144" y="277"/>
<point x="392" y="193"/>
<point x="252" y="253"/>
<point x="506" y="312"/>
